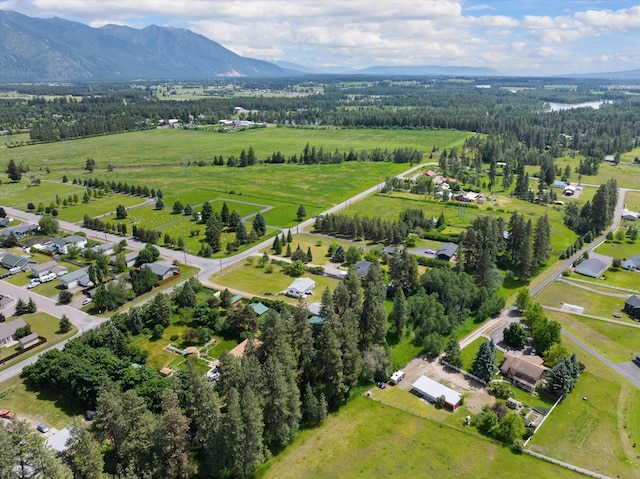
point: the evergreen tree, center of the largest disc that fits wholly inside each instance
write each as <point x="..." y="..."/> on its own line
<point x="188" y="210"/>
<point x="213" y="232"/>
<point x="541" y="242"/>
<point x="373" y="323"/>
<point x="233" y="435"/>
<point x="159" y="203"/>
<point x="452" y="353"/>
<point x="207" y="211"/>
<point x="121" y="212"/>
<point x="399" y="313"/>
<point x="64" y="326"/>
<point x="259" y="225"/>
<point x="234" y="219"/>
<point x="289" y="237"/>
<point x="84" y="453"/>
<point x="288" y="252"/>
<point x="175" y="440"/>
<point x="252" y="444"/>
<point x="309" y="255"/>
<point x="224" y="213"/>
<point x="242" y="236"/>
<point x="484" y="364"/>
<point x="302" y="213"/>
<point x="13" y="171"/>
<point x="277" y="247"/>
<point x="525" y="254"/>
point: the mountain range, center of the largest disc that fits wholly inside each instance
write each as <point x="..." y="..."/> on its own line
<point x="57" y="50"/>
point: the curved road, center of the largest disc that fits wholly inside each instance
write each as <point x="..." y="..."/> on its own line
<point x="207" y="266"/>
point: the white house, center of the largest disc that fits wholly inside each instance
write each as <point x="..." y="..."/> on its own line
<point x="62" y="244"/>
<point x="301" y="287"/>
<point x="40" y="270"/>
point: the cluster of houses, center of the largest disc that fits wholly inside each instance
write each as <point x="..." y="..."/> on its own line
<point x="567" y="188"/>
<point x="444" y="185"/>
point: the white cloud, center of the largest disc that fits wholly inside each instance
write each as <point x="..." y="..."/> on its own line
<point x="508" y="35"/>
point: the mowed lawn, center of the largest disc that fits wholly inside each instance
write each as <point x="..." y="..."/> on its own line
<point x="255" y="280"/>
<point x="368" y="439"/>
<point x="616" y="342"/>
<point x="593" y="303"/>
<point x="597" y="433"/>
<point x="620" y="249"/>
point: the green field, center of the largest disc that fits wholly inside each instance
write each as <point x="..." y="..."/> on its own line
<point x="171" y="146"/>
<point x="257" y="281"/>
<point x="616" y="342"/>
<point x="593" y="303"/>
<point x="619" y="249"/>
<point x="368" y="439"/>
<point x="597" y="433"/>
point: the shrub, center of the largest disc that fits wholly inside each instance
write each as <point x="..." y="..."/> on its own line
<point x="158" y="331"/>
<point x="65" y="297"/>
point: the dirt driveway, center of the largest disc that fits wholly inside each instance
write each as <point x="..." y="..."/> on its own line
<point x="475" y="394"/>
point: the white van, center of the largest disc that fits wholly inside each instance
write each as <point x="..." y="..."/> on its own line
<point x="396" y="377"/>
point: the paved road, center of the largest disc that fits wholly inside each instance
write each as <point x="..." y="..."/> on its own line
<point x="207" y="266"/>
<point x="493" y="326"/>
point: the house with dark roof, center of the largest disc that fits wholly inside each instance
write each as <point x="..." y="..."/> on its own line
<point x="632" y="307"/>
<point x="76" y="278"/>
<point x="447" y="251"/>
<point x="40" y="270"/>
<point x="11" y="261"/>
<point x="8" y="330"/>
<point x="163" y="270"/>
<point x="632" y="263"/>
<point x="20" y="230"/>
<point x="592" y="267"/>
<point x="524" y="372"/>
<point x="362" y="267"/>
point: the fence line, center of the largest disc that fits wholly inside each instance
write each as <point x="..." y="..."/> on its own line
<point x="466" y="373"/>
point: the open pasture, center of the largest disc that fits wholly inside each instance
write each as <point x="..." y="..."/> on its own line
<point x="618" y="278"/>
<point x="173" y="146"/>
<point x="20" y="193"/>
<point x="369" y="439"/>
<point x="593" y="433"/>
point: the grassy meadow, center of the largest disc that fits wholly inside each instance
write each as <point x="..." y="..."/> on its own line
<point x="369" y="439"/>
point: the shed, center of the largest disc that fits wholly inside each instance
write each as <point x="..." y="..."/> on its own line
<point x="28" y="340"/>
<point x="316" y="320"/>
<point x="166" y="372"/>
<point x="559" y="184"/>
<point x="592" y="267"/>
<point x="259" y="308"/>
<point x="431" y="390"/>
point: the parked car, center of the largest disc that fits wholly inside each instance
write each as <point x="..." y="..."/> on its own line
<point x="430" y="251"/>
<point x="42" y="428"/>
<point x="381" y="384"/>
<point x="86" y="301"/>
<point x="33" y="283"/>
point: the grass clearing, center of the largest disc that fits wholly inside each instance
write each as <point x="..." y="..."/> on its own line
<point x="42" y="405"/>
<point x="468" y="353"/>
<point x="367" y="439"/>
<point x="614" y="341"/>
<point x="257" y="281"/>
<point x="593" y="303"/>
<point x="598" y="433"/>
<point x="619" y="249"/>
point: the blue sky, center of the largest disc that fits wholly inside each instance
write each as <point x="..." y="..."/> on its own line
<point x="524" y="37"/>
